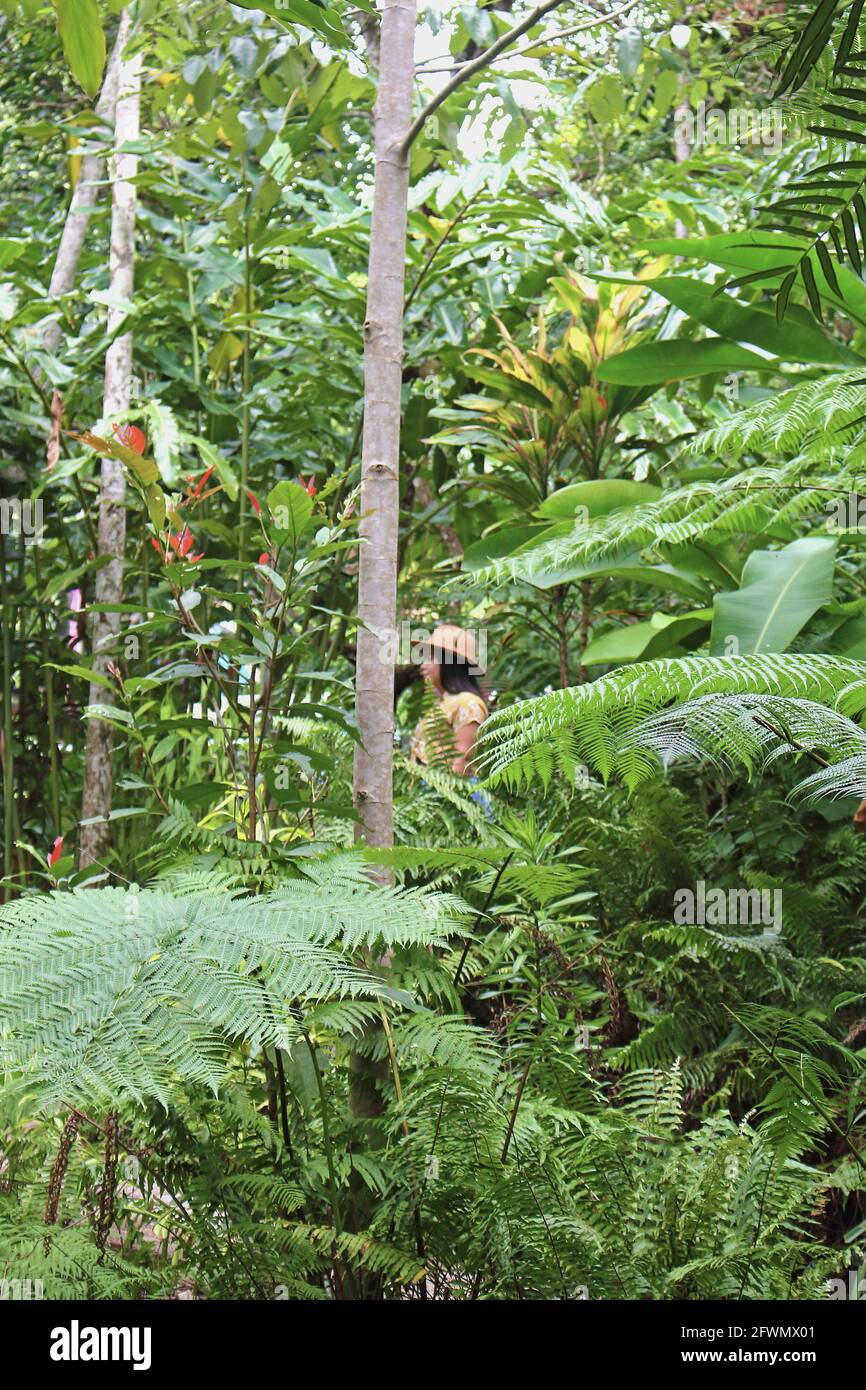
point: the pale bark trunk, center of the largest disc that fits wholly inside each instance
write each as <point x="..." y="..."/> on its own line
<point x="383" y="370"/>
<point x="96" y="800"/>
<point x="85" y="195"/>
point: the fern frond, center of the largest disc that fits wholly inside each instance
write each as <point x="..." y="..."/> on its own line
<point x="810" y="419"/>
<point x="750" y="501"/>
<point x="588" y="724"/>
<point x="754" y="731"/>
<point x="110" y="993"/>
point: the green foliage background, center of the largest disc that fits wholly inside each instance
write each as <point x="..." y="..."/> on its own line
<point x="634" y="419"/>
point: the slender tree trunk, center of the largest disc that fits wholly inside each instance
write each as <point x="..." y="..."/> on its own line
<point x="85" y="194"/>
<point x="383" y="361"/>
<point x="560" y="594"/>
<point x="96" y="800"/>
<point x="682" y="143"/>
<point x="585" y="622"/>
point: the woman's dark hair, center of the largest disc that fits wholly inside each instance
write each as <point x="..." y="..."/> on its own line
<point x="454" y="673"/>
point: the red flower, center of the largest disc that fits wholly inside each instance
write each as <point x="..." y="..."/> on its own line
<point x="201" y="482"/>
<point x="309" y="487"/>
<point x="181" y="544"/>
<point x="602" y="400"/>
<point x="257" y="506"/>
<point x="57" y="851"/>
<point x="132" y="437"/>
<point x="264" y="558"/>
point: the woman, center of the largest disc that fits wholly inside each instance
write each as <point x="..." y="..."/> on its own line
<point x="447" y="735"/>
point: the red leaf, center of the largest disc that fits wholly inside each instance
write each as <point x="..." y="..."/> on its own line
<point x="132" y="437"/>
<point x="57" y="850"/>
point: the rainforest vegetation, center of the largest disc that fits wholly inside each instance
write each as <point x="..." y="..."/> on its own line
<point x="323" y="325"/>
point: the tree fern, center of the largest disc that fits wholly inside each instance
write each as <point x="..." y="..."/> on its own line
<point x="755" y="730"/>
<point x="754" y="500"/>
<point x="810" y="419"/>
<point x="119" y="994"/>
<point x="588" y="724"/>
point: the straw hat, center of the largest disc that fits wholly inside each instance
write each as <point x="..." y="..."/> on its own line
<point x="448" y="637"/>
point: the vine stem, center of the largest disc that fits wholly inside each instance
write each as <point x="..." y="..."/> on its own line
<point x="517" y="1099"/>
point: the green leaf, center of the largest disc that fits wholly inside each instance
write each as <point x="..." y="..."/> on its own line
<point x="10" y="250"/>
<point x="80" y="31"/>
<point x="111" y="714"/>
<point x="311" y="13"/>
<point x="605" y="99"/>
<point x="654" y="364"/>
<point x="629" y="51"/>
<point x="227" y="349"/>
<point x="83" y="673"/>
<point x="798" y="340"/>
<point x="640" y="641"/>
<point x="780" y="591"/>
<point x="291" y="507"/>
<point x="766" y="255"/>
<point x="599" y="497"/>
<point x="499" y="543"/>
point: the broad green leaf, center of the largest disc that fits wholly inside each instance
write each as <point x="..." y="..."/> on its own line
<point x="499" y="543"/>
<point x="797" y="340"/>
<point x="780" y="592"/>
<point x="654" y="364"/>
<point x="80" y="30"/>
<point x="744" y="252"/>
<point x="605" y="99"/>
<point x="641" y="641"/>
<point x="599" y="497"/>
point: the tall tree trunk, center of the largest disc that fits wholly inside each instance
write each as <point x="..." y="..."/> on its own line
<point x="383" y="359"/>
<point x="85" y="194"/>
<point x="96" y="800"/>
<point x="682" y="142"/>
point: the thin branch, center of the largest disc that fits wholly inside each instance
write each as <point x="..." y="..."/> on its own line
<point x="469" y="69"/>
<point x="436" y="248"/>
<point x="481" y="915"/>
<point x="540" y="43"/>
